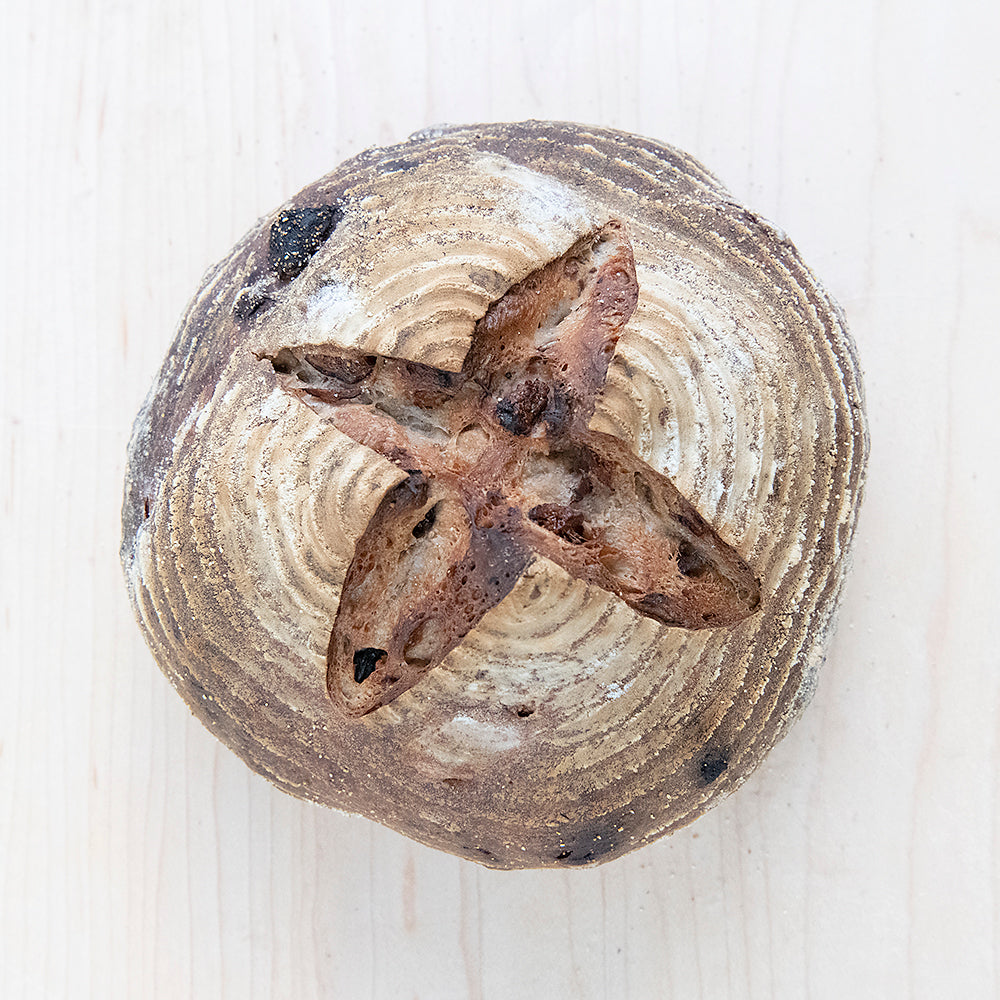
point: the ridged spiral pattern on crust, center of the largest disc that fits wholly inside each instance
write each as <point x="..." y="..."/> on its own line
<point x="566" y="728"/>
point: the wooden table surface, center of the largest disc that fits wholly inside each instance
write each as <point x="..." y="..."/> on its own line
<point x="138" y="858"/>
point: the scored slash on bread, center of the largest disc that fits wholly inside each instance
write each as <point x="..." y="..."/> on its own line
<point x="502" y="465"/>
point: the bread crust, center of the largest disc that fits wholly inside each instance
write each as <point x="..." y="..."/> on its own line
<point x="568" y="725"/>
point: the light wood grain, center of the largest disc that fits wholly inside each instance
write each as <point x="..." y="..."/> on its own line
<point x="140" y="859"/>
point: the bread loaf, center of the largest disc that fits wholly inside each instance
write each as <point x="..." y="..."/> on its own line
<point x="500" y="488"/>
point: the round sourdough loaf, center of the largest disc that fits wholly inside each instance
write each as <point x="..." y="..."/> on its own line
<point x="500" y="487"/>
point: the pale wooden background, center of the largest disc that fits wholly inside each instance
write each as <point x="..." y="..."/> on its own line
<point x="140" y="859"/>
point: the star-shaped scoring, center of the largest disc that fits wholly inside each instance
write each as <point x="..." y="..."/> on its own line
<point x="503" y="465"/>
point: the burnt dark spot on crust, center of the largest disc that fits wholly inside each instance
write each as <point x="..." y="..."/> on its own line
<point x="585" y="847"/>
<point x="365" y="662"/>
<point x="426" y="523"/>
<point x="712" y="765"/>
<point x="519" y="410"/>
<point x="248" y="302"/>
<point x="297" y="234"/>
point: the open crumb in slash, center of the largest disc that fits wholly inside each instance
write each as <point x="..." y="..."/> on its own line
<point x="502" y="465"/>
